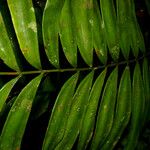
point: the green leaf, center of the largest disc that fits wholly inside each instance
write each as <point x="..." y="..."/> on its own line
<point x="122" y="113"/>
<point x="67" y="33"/>
<point x="137" y="40"/>
<point x="5" y="90"/>
<point x="87" y="127"/>
<point x="7" y="53"/>
<point x="23" y="18"/>
<point x="60" y="113"/>
<point x="123" y="23"/>
<point x="50" y="26"/>
<point x="15" y="124"/>
<point x="82" y="13"/>
<point x="137" y="109"/>
<point x="106" y="111"/>
<point x="110" y="26"/>
<point x="77" y="110"/>
<point x="146" y="81"/>
<point x="99" y="39"/>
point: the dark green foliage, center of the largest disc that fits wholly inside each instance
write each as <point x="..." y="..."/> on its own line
<point x="74" y="74"/>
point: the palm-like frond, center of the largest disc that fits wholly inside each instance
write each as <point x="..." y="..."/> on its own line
<point x="93" y="73"/>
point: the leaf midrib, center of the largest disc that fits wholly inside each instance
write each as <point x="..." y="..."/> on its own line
<point x="111" y="64"/>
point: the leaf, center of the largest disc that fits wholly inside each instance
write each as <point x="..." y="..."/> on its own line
<point x="60" y="113"/>
<point x="99" y="39"/>
<point x="146" y="82"/>
<point x="122" y="113"/>
<point x="15" y="124"/>
<point x="50" y="26"/>
<point x="123" y="23"/>
<point x="110" y="26"/>
<point x="82" y="13"/>
<point x="67" y="33"/>
<point x="137" y="109"/>
<point x="137" y="40"/>
<point x="5" y="90"/>
<point x="106" y="110"/>
<point x="77" y="110"/>
<point x="23" y="18"/>
<point x="87" y="127"/>
<point x="7" y="53"/>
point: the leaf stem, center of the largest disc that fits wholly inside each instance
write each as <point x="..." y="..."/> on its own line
<point x="111" y="64"/>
